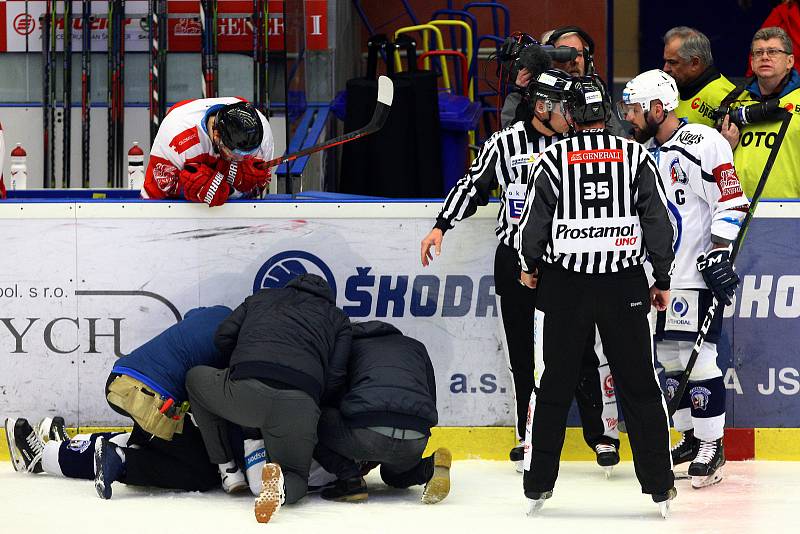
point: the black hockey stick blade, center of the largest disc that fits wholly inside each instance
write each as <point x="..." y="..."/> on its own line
<point x="382" y="109"/>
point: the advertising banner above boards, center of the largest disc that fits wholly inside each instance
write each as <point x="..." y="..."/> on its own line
<point x="88" y="282"/>
<point x="21" y="27"/>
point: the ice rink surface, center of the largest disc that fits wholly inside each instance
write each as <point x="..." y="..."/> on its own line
<point x="486" y="497"/>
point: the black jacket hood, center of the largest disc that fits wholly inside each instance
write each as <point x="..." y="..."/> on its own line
<point x="314" y="284"/>
<point x="374" y="329"/>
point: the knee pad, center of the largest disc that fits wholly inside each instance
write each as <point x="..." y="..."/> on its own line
<point x="707" y="397"/>
<point x="672" y="383"/>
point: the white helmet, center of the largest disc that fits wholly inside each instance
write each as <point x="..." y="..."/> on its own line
<point x="651" y="85"/>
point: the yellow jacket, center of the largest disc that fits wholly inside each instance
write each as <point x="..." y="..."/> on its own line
<point x="700" y="98"/>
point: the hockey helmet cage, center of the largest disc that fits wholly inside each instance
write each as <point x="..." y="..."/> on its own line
<point x="240" y="127"/>
<point x="652" y="85"/>
<point x="589" y="100"/>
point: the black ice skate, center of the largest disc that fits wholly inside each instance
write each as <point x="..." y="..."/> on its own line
<point x="607" y="457"/>
<point x="536" y="501"/>
<point x="108" y="467"/>
<point x="517" y="457"/>
<point x="347" y="490"/>
<point x="706" y="469"/>
<point x="52" y="429"/>
<point x="663" y="500"/>
<point x="24" y="445"/>
<point x="686" y="449"/>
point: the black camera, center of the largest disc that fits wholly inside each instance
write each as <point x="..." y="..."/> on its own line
<point x="769" y="110"/>
<point x="520" y="50"/>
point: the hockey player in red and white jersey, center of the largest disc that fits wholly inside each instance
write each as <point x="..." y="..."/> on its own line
<point x="208" y="150"/>
<point x="706" y="200"/>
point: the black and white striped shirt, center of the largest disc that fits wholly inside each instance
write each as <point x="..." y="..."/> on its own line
<point x="506" y="159"/>
<point x="597" y="205"/>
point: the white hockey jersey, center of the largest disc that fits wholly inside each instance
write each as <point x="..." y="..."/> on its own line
<point x="703" y="195"/>
<point x="182" y="138"/>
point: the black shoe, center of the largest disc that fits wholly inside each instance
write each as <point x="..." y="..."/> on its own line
<point x="686" y="449"/>
<point x="706" y="469"/>
<point x="52" y="429"/>
<point x="347" y="490"/>
<point x="663" y="500"/>
<point x="517" y="456"/>
<point x="27" y="449"/>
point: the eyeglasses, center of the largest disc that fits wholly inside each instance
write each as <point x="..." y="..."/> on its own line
<point x="771" y="53"/>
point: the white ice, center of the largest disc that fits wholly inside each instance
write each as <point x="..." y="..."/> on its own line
<point x="486" y="497"/>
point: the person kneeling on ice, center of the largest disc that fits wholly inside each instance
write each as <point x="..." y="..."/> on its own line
<point x="164" y="448"/>
<point x="383" y="416"/>
<point x="286" y="345"/>
<point x="209" y="150"/>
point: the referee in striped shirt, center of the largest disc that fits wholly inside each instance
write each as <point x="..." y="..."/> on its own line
<point x="595" y="210"/>
<point x="506" y="159"/>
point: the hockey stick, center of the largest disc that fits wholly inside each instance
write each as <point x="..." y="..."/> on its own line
<point x="382" y="109"/>
<point x="716" y="307"/>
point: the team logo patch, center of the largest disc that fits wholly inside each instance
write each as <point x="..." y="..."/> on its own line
<point x="727" y="181"/>
<point x="672" y="388"/>
<point x="78" y="445"/>
<point x="700" y="397"/>
<point x="613" y="155"/>
<point x="689" y="138"/>
<point x="676" y="173"/>
<point x="165" y="176"/>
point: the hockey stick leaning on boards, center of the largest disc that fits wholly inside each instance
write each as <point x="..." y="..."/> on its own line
<point x="716" y="307"/>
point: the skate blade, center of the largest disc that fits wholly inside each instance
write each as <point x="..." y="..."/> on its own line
<point x="534" y="505"/>
<point x="15" y="460"/>
<point x="268" y="501"/>
<point x="519" y="465"/>
<point x="103" y="491"/>
<point x="438" y="487"/>
<point x="356" y="498"/>
<point x="663" y="508"/>
<point x="682" y="475"/>
<point x="710" y="480"/>
<point x="608" y="470"/>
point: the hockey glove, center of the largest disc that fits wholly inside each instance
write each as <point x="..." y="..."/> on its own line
<point x="717" y="270"/>
<point x="249" y="175"/>
<point x="201" y="183"/>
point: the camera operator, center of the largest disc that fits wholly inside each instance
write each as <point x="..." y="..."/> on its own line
<point x="758" y="111"/>
<point x="578" y="63"/>
<point x="688" y="59"/>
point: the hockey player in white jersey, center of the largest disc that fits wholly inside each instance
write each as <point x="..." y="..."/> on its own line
<point x="208" y="150"/>
<point x="706" y="200"/>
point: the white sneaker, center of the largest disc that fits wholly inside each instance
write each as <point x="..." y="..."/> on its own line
<point x="273" y="493"/>
<point x="233" y="480"/>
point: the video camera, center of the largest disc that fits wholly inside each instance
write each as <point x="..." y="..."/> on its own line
<point x="520" y="50"/>
<point x="769" y="110"/>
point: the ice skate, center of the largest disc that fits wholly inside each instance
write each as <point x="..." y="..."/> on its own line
<point x="52" y="429"/>
<point x="272" y="494"/>
<point x="686" y="449"/>
<point x="607" y="457"/>
<point x="706" y="469"/>
<point x="347" y="490"/>
<point x="108" y="466"/>
<point x="663" y="500"/>
<point x="536" y="501"/>
<point x="438" y="487"/>
<point x="517" y="457"/>
<point x="24" y="445"/>
<point x="233" y="480"/>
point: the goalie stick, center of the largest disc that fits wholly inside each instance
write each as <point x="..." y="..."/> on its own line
<point x="383" y="107"/>
<point x="716" y="307"/>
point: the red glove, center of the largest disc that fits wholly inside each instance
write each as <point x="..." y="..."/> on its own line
<point x="249" y="175"/>
<point x="201" y="183"/>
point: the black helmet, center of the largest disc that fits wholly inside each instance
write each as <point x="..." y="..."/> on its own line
<point x="240" y="127"/>
<point x="589" y="100"/>
<point x="552" y="84"/>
